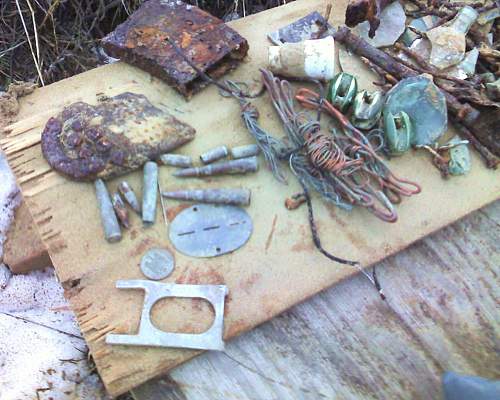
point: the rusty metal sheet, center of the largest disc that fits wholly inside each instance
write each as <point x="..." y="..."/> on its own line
<point x="120" y="134"/>
<point x="143" y="41"/>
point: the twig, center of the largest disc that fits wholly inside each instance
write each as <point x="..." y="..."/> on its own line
<point x="492" y="161"/>
<point x="426" y="67"/>
<point x="462" y="112"/>
<point x="40" y="324"/>
<point x="35" y="60"/>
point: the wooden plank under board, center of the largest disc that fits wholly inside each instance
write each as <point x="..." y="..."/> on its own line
<point x="276" y="269"/>
<point x="24" y="250"/>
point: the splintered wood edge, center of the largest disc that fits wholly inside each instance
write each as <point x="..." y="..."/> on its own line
<point x="39" y="179"/>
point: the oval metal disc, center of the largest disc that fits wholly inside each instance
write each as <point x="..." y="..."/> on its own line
<point x="157" y="264"/>
<point x="206" y="230"/>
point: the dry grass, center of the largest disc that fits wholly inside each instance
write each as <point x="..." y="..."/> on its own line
<point x="44" y="41"/>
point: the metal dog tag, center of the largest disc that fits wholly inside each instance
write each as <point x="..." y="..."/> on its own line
<point x="206" y="230"/>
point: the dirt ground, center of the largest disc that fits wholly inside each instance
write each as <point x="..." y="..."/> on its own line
<point x="44" y="41"/>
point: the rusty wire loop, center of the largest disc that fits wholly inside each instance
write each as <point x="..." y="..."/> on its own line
<point x="317" y="241"/>
<point x="345" y="161"/>
<point x="269" y="145"/>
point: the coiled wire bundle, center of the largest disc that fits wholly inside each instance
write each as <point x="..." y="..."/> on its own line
<point x="344" y="166"/>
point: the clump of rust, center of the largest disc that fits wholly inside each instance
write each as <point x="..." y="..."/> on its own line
<point x="116" y="136"/>
<point x="143" y="41"/>
<point x="365" y="10"/>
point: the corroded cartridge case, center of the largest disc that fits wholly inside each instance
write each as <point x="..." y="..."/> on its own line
<point x="236" y="197"/>
<point x="241" y="166"/>
<point x="176" y="160"/>
<point x="112" y="231"/>
<point x="248" y="150"/>
<point x="214" y="155"/>
<point x="120" y="209"/>
<point x="129" y="196"/>
<point x="149" y="192"/>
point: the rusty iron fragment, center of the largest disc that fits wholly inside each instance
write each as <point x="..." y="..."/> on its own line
<point x="312" y="26"/>
<point x="118" y="135"/>
<point x="365" y="10"/>
<point x="143" y="41"/>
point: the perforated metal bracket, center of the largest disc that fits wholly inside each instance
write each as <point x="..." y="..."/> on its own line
<point x="149" y="335"/>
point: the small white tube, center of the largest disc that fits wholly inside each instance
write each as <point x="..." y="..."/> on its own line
<point x="308" y="59"/>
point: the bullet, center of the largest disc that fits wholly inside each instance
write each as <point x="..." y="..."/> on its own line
<point x="236" y="197"/>
<point x="248" y="150"/>
<point x="129" y="196"/>
<point x="241" y="166"/>
<point x="176" y="160"/>
<point x="214" y="155"/>
<point x="112" y="231"/>
<point x="149" y="192"/>
<point x="120" y="209"/>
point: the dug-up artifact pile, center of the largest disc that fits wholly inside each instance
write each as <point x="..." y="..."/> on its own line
<point x="339" y="141"/>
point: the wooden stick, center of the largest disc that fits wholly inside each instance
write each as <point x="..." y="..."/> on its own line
<point x="362" y="48"/>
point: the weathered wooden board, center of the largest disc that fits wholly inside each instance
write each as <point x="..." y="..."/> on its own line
<point x="441" y="315"/>
<point x="276" y="269"/>
<point x="24" y="250"/>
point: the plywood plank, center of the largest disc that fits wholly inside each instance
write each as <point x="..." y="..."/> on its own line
<point x="278" y="268"/>
<point x="345" y="343"/>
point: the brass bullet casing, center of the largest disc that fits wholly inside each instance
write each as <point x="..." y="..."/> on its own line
<point x="149" y="193"/>
<point x="120" y="210"/>
<point x="247" y="150"/>
<point x="241" y="166"/>
<point x="176" y="160"/>
<point x="129" y="195"/>
<point x="214" y="155"/>
<point x="235" y="197"/>
<point x="112" y="231"/>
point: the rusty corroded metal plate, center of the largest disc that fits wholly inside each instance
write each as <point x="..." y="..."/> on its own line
<point x="142" y="41"/>
<point x="306" y="28"/>
<point x="120" y="134"/>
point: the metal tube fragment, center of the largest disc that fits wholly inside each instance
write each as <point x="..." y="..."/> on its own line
<point x="235" y="197"/>
<point x="149" y="192"/>
<point x="120" y="209"/>
<point x="176" y="160"/>
<point x="214" y="155"/>
<point x="129" y="196"/>
<point x="112" y="231"/>
<point x="248" y="150"/>
<point x="241" y="166"/>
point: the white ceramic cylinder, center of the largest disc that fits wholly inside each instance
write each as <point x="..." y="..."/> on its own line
<point x="308" y="59"/>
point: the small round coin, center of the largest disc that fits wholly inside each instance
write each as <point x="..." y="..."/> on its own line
<point x="157" y="264"/>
